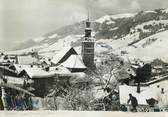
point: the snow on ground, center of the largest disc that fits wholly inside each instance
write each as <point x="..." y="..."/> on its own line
<point x="98" y="92"/>
<point x="38" y="39"/>
<point x="125" y="90"/>
<point x="147" y="49"/>
<point x="110" y="22"/>
<point x="62" y="43"/>
<point x="152" y="91"/>
<point x="30" y="49"/>
<point x="59" y="113"/>
<point x="99" y="47"/>
<point x="110" y="17"/>
<point x="49" y="50"/>
<point x="150" y="12"/>
<point x="103" y="19"/>
<point x="165" y="11"/>
<point x="125" y="15"/>
<point x="153" y="22"/>
<point x="53" y="36"/>
<point x="120" y="43"/>
<point x="112" y="29"/>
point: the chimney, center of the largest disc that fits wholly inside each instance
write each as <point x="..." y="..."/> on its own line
<point x="138" y="87"/>
<point x="16" y="57"/>
<point x="162" y="90"/>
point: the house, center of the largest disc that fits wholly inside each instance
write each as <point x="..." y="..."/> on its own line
<point x="159" y="66"/>
<point x="8" y="59"/>
<point x="18" y="81"/>
<point x="6" y="71"/>
<point x="34" y="73"/>
<point x="144" y="73"/>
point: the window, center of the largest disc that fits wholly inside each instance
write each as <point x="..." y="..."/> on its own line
<point x="89" y="51"/>
<point x="89" y="45"/>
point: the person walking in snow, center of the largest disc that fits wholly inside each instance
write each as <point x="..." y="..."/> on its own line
<point x="134" y="102"/>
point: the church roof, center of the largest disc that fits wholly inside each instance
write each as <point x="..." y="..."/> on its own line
<point x="74" y="61"/>
<point x="62" y="55"/>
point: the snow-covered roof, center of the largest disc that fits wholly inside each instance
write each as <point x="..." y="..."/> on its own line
<point x="60" y="70"/>
<point x="26" y="60"/>
<point x="15" y="80"/>
<point x="61" y="54"/>
<point x="74" y="62"/>
<point x="38" y="73"/>
<point x="20" y="68"/>
<point x="78" y="75"/>
<point x="157" y="80"/>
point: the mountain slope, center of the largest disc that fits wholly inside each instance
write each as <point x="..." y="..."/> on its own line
<point x="150" y="48"/>
<point x="133" y="35"/>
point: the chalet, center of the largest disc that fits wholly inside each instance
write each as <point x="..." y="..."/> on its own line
<point x="159" y="66"/>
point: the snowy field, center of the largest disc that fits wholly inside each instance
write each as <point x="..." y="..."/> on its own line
<point x="77" y="114"/>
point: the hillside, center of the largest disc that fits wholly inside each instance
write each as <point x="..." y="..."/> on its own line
<point x="140" y="35"/>
<point x="147" y="49"/>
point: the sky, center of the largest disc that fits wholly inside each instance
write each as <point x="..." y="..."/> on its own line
<point x="21" y="20"/>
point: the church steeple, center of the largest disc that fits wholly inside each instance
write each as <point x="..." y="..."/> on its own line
<point x="88" y="46"/>
<point x="88" y="30"/>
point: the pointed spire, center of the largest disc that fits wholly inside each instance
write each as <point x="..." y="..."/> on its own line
<point x="88" y="22"/>
<point x="88" y="18"/>
<point x="88" y="29"/>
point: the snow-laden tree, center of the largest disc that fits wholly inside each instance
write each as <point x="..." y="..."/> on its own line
<point x="99" y="87"/>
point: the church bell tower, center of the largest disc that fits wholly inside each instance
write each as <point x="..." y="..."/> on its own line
<point x="88" y="47"/>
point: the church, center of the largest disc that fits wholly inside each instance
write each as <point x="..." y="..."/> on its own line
<point x="70" y="59"/>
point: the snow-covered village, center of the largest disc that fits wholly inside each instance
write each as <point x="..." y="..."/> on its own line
<point x="112" y="63"/>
